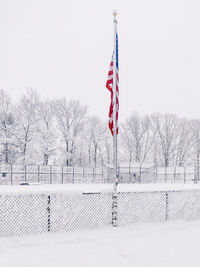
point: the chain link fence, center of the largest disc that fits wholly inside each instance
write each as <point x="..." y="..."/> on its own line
<point x="17" y="174"/>
<point x="38" y="213"/>
<point x="33" y="213"/>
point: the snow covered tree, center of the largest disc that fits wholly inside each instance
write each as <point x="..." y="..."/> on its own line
<point x="7" y="127"/>
<point x="27" y="126"/>
<point x="126" y="141"/>
<point x="95" y="138"/>
<point x="108" y="145"/>
<point x="138" y="137"/>
<point x="167" y="135"/>
<point x="195" y="126"/>
<point x="184" y="142"/>
<point x="71" y="118"/>
<point x="46" y="130"/>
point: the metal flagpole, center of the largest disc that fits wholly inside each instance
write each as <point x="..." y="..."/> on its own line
<point x="114" y="197"/>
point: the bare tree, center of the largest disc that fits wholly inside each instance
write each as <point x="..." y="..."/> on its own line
<point x="26" y="124"/>
<point x="96" y="131"/>
<point x="71" y="117"/>
<point x="7" y="125"/>
<point x="88" y="142"/>
<point x="196" y="144"/>
<point x="46" y="130"/>
<point x="167" y="134"/>
<point x="184" y="142"/>
<point x="138" y="137"/>
<point x="126" y="140"/>
<point x="43" y="132"/>
<point x="108" y="145"/>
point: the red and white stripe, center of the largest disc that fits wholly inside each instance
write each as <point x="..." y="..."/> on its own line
<point x="109" y="85"/>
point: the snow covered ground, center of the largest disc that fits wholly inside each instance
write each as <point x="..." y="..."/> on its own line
<point x="165" y="244"/>
<point x="80" y="188"/>
<point x="172" y="244"/>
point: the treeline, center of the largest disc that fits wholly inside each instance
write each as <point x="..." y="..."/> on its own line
<point x="60" y="132"/>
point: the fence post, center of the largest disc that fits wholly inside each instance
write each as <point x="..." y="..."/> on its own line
<point x="184" y="174"/>
<point x="140" y="179"/>
<point x="11" y="175"/>
<point x="62" y="175"/>
<point x="67" y="174"/>
<point x="48" y="214"/>
<point x="50" y="174"/>
<point x="108" y="174"/>
<point x="174" y="173"/>
<point x="93" y="174"/>
<point x="38" y="173"/>
<point x="83" y="174"/>
<point x="25" y="173"/>
<point x="103" y="176"/>
<point x="155" y="174"/>
<point x="166" y="205"/>
<point x="73" y="174"/>
<point x="86" y="175"/>
<point x="146" y="175"/>
<point x="165" y="174"/>
<point x="114" y="208"/>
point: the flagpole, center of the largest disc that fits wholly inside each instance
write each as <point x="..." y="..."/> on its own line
<point x="114" y="203"/>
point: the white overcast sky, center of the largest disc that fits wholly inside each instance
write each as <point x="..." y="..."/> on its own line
<point x="64" y="47"/>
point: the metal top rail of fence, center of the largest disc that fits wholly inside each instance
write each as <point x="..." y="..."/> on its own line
<point x="51" y="174"/>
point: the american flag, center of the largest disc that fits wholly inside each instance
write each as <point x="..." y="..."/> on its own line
<point x="109" y="85"/>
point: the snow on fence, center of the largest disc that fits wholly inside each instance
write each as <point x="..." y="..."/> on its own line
<point x="39" y="213"/>
<point x="33" y="213"/>
<point x="15" y="174"/>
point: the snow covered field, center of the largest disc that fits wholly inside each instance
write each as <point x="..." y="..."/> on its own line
<point x="171" y="244"/>
<point x="160" y="244"/>
<point x="59" y="208"/>
<point x="84" y="188"/>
